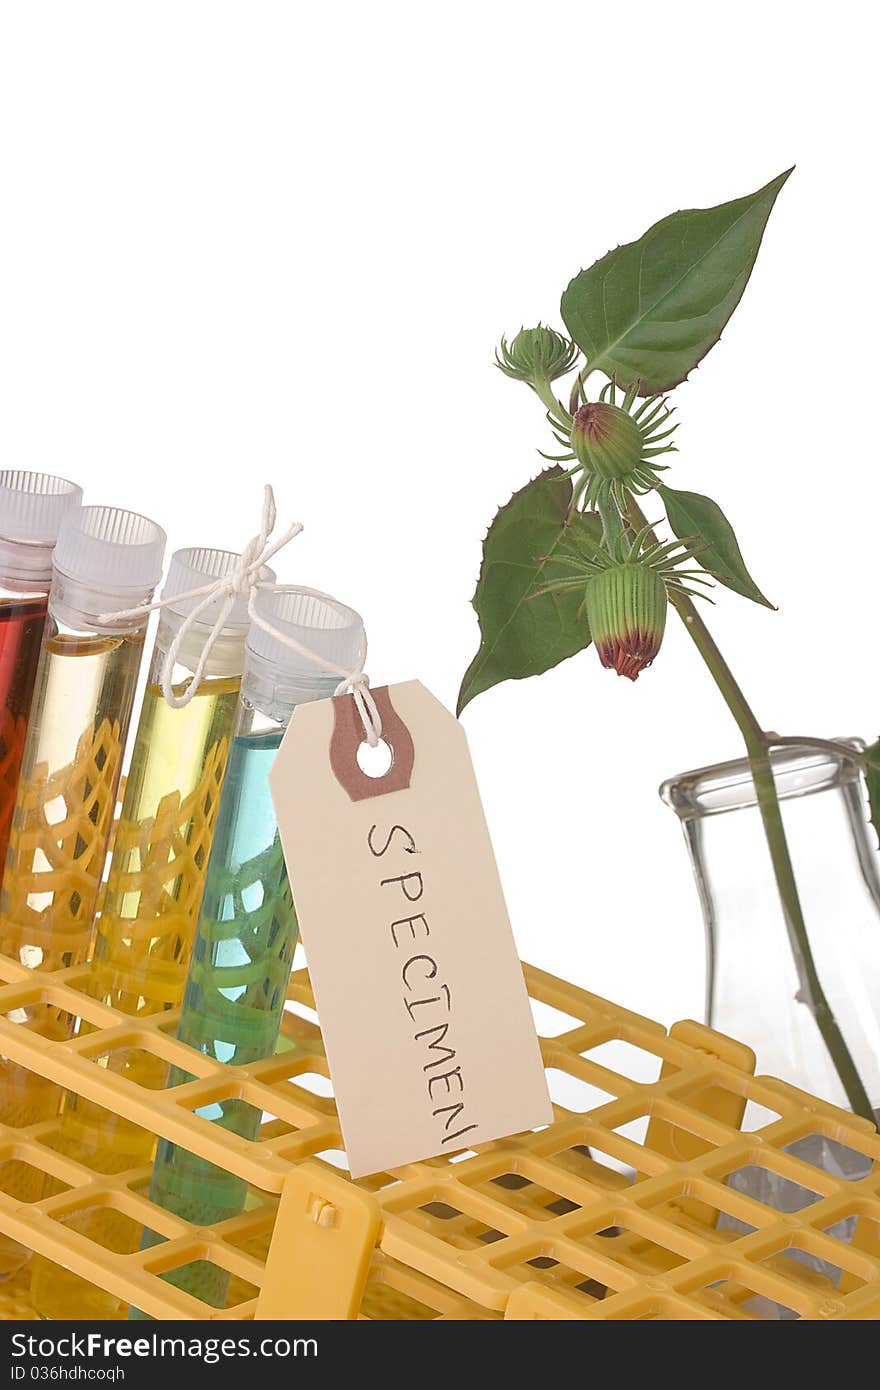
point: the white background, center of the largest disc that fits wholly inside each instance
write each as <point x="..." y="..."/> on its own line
<point x="280" y="241"/>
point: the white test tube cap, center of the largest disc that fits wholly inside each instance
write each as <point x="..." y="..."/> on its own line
<point x="327" y="629"/>
<point x="105" y="559"/>
<point x="33" y="505"/>
<point x="198" y="566"/>
<point x="109" y="547"/>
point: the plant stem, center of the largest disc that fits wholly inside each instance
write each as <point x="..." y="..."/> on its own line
<point x="544" y="391"/>
<point x="612" y="526"/>
<point x="758" y="746"/>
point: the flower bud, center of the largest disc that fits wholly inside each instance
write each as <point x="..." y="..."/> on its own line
<point x="536" y="355"/>
<point x="626" y="610"/>
<point x="607" y="440"/>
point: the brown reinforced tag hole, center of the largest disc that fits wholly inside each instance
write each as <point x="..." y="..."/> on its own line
<point x="364" y="771"/>
<point x="375" y="762"/>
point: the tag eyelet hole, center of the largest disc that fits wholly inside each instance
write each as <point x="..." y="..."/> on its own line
<point x="375" y="762"/>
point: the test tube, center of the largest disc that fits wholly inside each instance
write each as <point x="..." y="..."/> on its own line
<point x="241" y="961"/>
<point x="32" y="507"/>
<point x="145" y="930"/>
<point x="105" y="560"/>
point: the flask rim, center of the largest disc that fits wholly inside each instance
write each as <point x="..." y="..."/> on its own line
<point x="729" y="786"/>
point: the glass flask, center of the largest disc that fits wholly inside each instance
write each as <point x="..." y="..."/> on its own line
<point x="752" y="990"/>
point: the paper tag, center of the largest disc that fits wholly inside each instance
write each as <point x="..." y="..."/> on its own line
<point x="419" y="989"/>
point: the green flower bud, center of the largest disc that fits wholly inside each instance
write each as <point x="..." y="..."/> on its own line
<point x="617" y="448"/>
<point x="607" y="441"/>
<point x="536" y="355"/>
<point x="626" y="610"/>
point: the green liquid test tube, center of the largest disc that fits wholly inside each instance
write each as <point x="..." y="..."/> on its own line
<point x="246" y="934"/>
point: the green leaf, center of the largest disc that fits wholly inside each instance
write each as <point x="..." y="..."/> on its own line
<point x="651" y="310"/>
<point x="872" y="777"/>
<point x="523" y="632"/>
<point x="690" y="514"/>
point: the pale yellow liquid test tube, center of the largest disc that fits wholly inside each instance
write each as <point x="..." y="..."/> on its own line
<point x="145" y="931"/>
<point x="105" y="560"/>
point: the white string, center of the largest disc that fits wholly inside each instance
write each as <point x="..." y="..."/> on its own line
<point x="244" y="578"/>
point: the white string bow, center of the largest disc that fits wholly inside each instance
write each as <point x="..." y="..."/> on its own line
<point x="244" y="578"/>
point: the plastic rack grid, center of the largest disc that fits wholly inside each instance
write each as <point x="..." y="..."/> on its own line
<point x="621" y="1209"/>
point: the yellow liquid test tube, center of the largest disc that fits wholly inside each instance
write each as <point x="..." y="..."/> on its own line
<point x="145" y="931"/>
<point x="105" y="560"/>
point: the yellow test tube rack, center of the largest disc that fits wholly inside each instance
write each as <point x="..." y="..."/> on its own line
<point x="621" y="1209"/>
